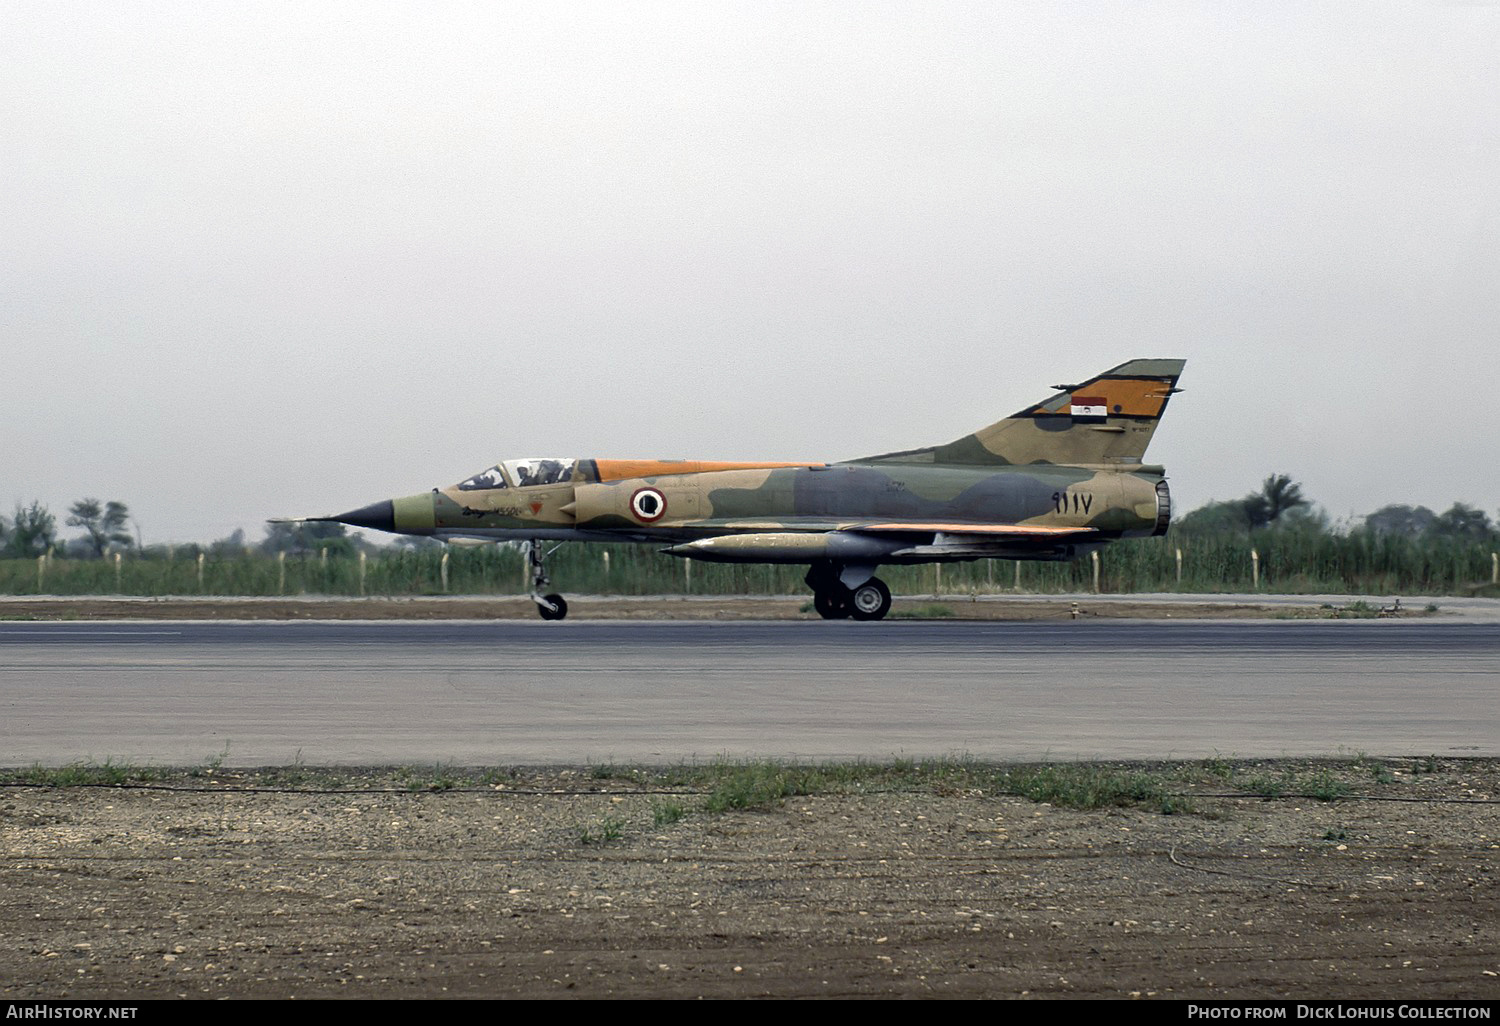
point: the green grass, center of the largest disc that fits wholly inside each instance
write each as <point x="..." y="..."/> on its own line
<point x="441" y="778"/>
<point x="293" y="776"/>
<point x="760" y="785"/>
<point x="1324" y="783"/>
<point x="1264" y="784"/>
<point x="726" y="786"/>
<point x="1083" y="786"/>
<point x="210" y="765"/>
<point x="666" y="813"/>
<point x="1219" y="768"/>
<point x="1357" y="610"/>
<point x="927" y="612"/>
<point x="730" y="786"/>
<point x="606" y="831"/>
<point x="1304" y="562"/>
<point x="86" y="774"/>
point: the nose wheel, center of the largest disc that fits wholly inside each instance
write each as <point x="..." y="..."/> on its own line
<point x="549" y="607"/>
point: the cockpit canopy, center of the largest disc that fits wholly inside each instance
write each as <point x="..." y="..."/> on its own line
<point x="525" y="473"/>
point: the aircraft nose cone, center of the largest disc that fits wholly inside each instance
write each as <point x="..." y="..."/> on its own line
<point x="380" y="516"/>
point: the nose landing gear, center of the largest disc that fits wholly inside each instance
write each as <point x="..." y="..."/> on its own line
<point x="550" y="607"/>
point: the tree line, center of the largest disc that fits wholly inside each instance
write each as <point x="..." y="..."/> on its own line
<point x="1279" y="505"/>
<point x="33" y="530"/>
<point x="108" y="528"/>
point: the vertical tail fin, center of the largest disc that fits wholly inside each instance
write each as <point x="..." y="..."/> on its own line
<point x="1109" y="418"/>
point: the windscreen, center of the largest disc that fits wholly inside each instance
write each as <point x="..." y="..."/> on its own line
<point x="492" y="478"/>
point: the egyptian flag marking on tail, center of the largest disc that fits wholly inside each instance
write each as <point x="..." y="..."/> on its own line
<point x="1090" y="407"/>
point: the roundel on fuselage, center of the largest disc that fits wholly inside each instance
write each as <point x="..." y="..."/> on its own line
<point x="648" y="505"/>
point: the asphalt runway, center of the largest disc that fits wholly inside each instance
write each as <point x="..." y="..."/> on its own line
<point x="523" y="692"/>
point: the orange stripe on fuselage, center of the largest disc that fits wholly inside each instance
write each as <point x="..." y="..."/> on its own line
<point x="624" y="470"/>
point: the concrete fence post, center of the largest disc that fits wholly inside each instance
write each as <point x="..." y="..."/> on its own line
<point x="281" y="572"/>
<point x="201" y="558"/>
<point x="361" y="574"/>
<point x="118" y="587"/>
<point x="1179" y="566"/>
<point x="1254" y="570"/>
<point x="1094" y="558"/>
<point x="443" y="570"/>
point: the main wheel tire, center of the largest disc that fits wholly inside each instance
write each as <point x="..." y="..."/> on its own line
<point x="557" y="613"/>
<point x="870" y="601"/>
<point x="831" y="606"/>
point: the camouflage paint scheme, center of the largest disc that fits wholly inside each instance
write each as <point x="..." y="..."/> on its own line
<point x="1055" y="480"/>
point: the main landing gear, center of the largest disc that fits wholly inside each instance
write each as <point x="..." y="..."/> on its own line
<point x="834" y="600"/>
<point x="551" y="607"/>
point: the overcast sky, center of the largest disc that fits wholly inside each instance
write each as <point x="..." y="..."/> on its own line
<point x="269" y="259"/>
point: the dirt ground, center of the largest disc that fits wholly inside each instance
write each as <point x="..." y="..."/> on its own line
<point x="556" y="883"/>
<point x="646" y="608"/>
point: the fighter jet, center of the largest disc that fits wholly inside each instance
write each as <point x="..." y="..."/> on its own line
<point x="1056" y="480"/>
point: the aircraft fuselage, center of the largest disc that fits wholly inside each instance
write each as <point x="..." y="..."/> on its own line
<point x="675" y="507"/>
